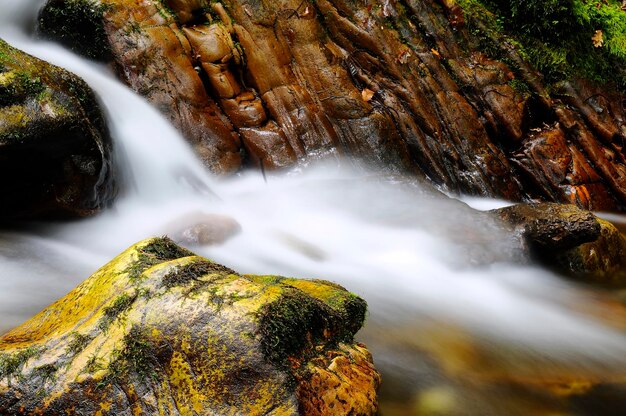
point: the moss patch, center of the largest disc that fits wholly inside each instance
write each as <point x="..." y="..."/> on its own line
<point x="189" y="273"/>
<point x="555" y="36"/>
<point x="78" y="343"/>
<point x="137" y="357"/>
<point x="157" y="251"/>
<point x="77" y="24"/>
<point x="45" y="373"/>
<point x="11" y="364"/>
<point x="112" y="312"/>
<point x="17" y="86"/>
<point x="297" y="321"/>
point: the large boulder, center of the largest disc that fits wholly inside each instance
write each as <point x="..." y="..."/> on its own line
<point x="159" y="330"/>
<point x="434" y="88"/>
<point x="55" y="150"/>
<point x="571" y="240"/>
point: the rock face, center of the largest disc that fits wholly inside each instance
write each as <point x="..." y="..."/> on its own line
<point x="422" y="87"/>
<point x="571" y="240"/>
<point x="55" y="156"/>
<point x="159" y="330"/>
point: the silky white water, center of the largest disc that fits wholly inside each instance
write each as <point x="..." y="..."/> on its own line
<point x="425" y="264"/>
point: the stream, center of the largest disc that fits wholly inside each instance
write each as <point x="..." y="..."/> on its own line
<point x="449" y="309"/>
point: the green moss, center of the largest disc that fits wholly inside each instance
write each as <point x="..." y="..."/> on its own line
<point x="17" y="86"/>
<point x="266" y="279"/>
<point x="290" y="324"/>
<point x="157" y="251"/>
<point x="294" y="324"/>
<point x="192" y="272"/>
<point x="520" y="87"/>
<point x="94" y="363"/>
<point x="164" y="249"/>
<point x="555" y="35"/>
<point x="165" y="11"/>
<point x="119" y="305"/>
<point x="316" y="306"/>
<point x="45" y="373"/>
<point x="137" y="358"/>
<point x="11" y="364"/>
<point x="77" y="24"/>
<point x="78" y="343"/>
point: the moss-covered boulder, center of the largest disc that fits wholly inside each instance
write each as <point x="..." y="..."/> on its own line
<point x="54" y="145"/>
<point x="571" y="240"/>
<point x="159" y="330"/>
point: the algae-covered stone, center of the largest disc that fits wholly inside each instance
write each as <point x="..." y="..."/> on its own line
<point x="159" y="330"/>
<point x="54" y="144"/>
<point x="571" y="240"/>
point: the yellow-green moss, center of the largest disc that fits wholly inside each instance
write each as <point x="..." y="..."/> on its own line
<point x="157" y="251"/>
<point x="113" y="311"/>
<point x="238" y="344"/>
<point x="192" y="272"/>
<point x="78" y="343"/>
<point x="11" y="364"/>
<point x="555" y="36"/>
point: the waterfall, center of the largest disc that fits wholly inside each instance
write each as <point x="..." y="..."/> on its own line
<point x="393" y="242"/>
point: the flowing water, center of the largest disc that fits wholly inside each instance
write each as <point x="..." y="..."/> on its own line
<point x="446" y="301"/>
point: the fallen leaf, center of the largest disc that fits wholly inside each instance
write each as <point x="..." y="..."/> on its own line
<point x="367" y="95"/>
<point x="434" y="51"/>
<point x="404" y="56"/>
<point x="598" y="39"/>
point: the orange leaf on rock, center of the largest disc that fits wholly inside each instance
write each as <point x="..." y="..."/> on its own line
<point x="367" y="94"/>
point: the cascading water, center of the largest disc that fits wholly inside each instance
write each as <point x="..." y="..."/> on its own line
<point x="434" y="272"/>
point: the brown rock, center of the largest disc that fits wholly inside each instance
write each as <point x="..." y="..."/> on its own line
<point x="268" y="146"/>
<point x="573" y="241"/>
<point x="438" y="102"/>
<point x="211" y="43"/>
<point x="245" y="110"/>
<point x="197" y="228"/>
<point x="222" y="80"/>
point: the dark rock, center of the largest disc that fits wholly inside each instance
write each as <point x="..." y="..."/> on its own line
<point x="572" y="241"/>
<point x="551" y="228"/>
<point x="55" y="149"/>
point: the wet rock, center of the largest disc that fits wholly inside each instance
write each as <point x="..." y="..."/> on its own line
<point x="412" y="86"/>
<point x="153" y="56"/>
<point x="55" y="149"/>
<point x="159" y="330"/>
<point x="571" y="240"/>
<point x="552" y="227"/>
<point x="202" y="229"/>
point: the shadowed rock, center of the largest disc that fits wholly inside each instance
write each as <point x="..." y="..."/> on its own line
<point x="159" y="330"/>
<point x="55" y="149"/>
<point x="571" y="240"/>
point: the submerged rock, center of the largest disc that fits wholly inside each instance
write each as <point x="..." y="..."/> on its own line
<point x="55" y="150"/>
<point x="159" y="330"/>
<point x="571" y="240"/>
<point x="201" y="229"/>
